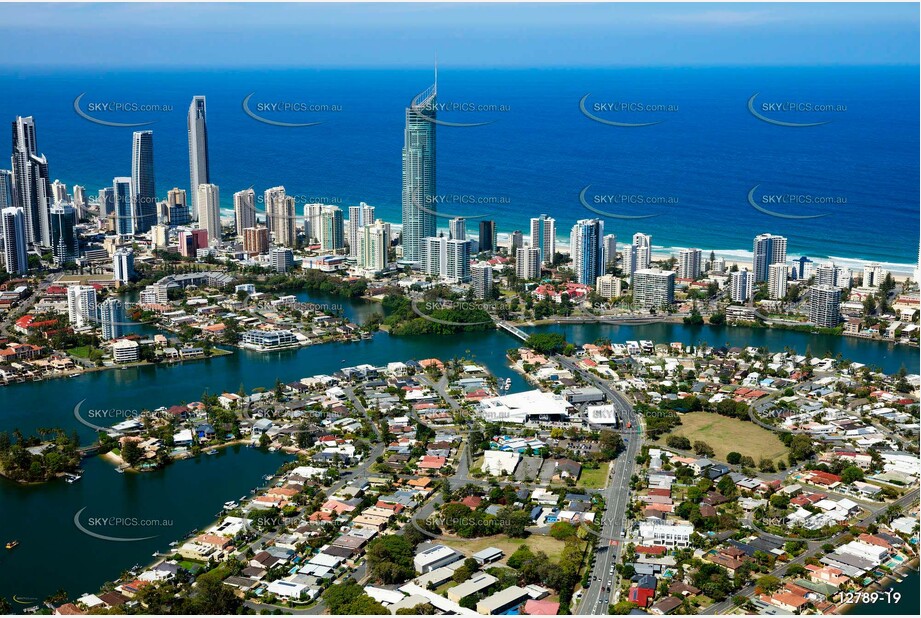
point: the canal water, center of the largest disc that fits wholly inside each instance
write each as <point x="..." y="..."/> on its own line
<point x="55" y="553"/>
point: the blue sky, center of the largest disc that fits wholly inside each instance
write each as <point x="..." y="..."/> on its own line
<point x="482" y="35"/>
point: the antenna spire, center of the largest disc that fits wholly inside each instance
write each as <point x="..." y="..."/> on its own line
<point x="436" y="72"/>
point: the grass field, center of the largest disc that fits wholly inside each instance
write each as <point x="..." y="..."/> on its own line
<point x="726" y="434"/>
<point x="537" y="542"/>
<point x="594" y="479"/>
<point x="82" y="351"/>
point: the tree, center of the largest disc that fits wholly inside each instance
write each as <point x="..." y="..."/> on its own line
<point x="734" y="458"/>
<point x="851" y="474"/>
<point x="703" y="449"/>
<point x="768" y="583"/>
<point x="562" y="530"/>
<point x="131" y="452"/>
<point x="546" y="343"/>
<point x="679" y="442"/>
<point x="390" y="559"/>
<point x="610" y="444"/>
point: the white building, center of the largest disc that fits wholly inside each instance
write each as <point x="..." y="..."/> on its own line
<point x="123" y="265"/>
<point x="653" y="288"/>
<point x="244" y="210"/>
<point x="360" y="217"/>
<point x="527" y="262"/>
<point x="482" y="277"/>
<point x="209" y="212"/>
<point x="824" y="302"/>
<point x="669" y="535"/>
<point x="81" y="306"/>
<point x="608" y="286"/>
<point x="125" y="351"/>
<point x="777" y="281"/>
<point x="373" y="249"/>
<point x="741" y="285"/>
<point x="499" y="463"/>
<point x="689" y="263"/>
<point x="533" y="405"/>
<point x="543" y="237"/>
<point x="435" y="557"/>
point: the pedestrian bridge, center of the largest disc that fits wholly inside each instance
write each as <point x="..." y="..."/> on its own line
<point x="513" y="330"/>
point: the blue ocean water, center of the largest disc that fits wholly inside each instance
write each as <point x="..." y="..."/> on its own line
<point x="538" y="152"/>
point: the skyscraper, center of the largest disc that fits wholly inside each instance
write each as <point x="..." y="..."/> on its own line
<point x="458" y="261"/>
<point x="374" y="246"/>
<point x="768" y="249"/>
<point x="359" y="217"/>
<point x="418" y="199"/>
<point x="81" y="306"/>
<point x="777" y="281"/>
<point x="543" y="237"/>
<point x="255" y="240"/>
<point x="741" y="285"/>
<point x="59" y="192"/>
<point x="13" y="233"/>
<point x="585" y="243"/>
<point x="610" y="250"/>
<point x="177" y="207"/>
<point x="689" y="263"/>
<point x="482" y="277"/>
<point x="143" y="192"/>
<point x="64" y="244"/>
<point x="80" y="201"/>
<point x="280" y="217"/>
<point x="31" y="184"/>
<point x="6" y="189"/>
<point x="111" y="319"/>
<point x="106" y="201"/>
<point x="198" y="149"/>
<point x="332" y="237"/>
<point x="124" y="222"/>
<point x="653" y="288"/>
<point x="312" y="216"/>
<point x="824" y="305"/>
<point x="527" y="262"/>
<point x="643" y="244"/>
<point x="488" y="236"/>
<point x="123" y="265"/>
<point x="630" y="260"/>
<point x="457" y="229"/>
<point x="516" y="241"/>
<point x="244" y="210"/>
<point x="209" y="209"/>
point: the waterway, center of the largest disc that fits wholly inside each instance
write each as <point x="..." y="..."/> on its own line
<point x="55" y="554"/>
<point x="909" y="603"/>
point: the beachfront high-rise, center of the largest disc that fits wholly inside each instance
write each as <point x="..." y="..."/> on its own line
<point x="111" y="319"/>
<point x="488" y="236"/>
<point x="457" y="229"/>
<point x="543" y="237"/>
<point x="6" y="189"/>
<point x="359" y="217"/>
<point x="280" y="218"/>
<point x="824" y="304"/>
<point x="106" y="202"/>
<point x="768" y="249"/>
<point x="121" y="190"/>
<point x="244" y="210"/>
<point x="209" y="205"/>
<point x="177" y="207"/>
<point x="79" y="200"/>
<point x="418" y="198"/>
<point x="587" y="247"/>
<point x="689" y="263"/>
<point x="31" y="184"/>
<point x="59" y="192"/>
<point x="13" y="233"/>
<point x="374" y="246"/>
<point x="198" y="150"/>
<point x="643" y="244"/>
<point x="777" y="281"/>
<point x="332" y="226"/>
<point x="610" y="250"/>
<point x="65" y="246"/>
<point x="143" y="195"/>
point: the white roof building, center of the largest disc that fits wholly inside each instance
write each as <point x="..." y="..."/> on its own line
<point x="498" y="463"/>
<point x="527" y="406"/>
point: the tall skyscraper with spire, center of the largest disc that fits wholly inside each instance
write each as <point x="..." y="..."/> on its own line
<point x="198" y="150"/>
<point x="31" y="184"/>
<point x="143" y="193"/>
<point x="419" y="172"/>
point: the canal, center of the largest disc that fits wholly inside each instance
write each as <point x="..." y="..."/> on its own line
<point x="55" y="553"/>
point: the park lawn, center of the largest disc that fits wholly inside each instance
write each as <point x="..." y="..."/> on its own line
<point x="82" y="351"/>
<point x="537" y="542"/>
<point x="726" y="434"/>
<point x="594" y="479"/>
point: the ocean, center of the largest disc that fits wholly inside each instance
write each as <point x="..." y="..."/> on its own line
<point x="692" y="172"/>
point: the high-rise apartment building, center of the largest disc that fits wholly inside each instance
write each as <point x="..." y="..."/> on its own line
<point x="244" y="210"/>
<point x="143" y="191"/>
<point x="418" y="196"/>
<point x="586" y="245"/>
<point x="768" y="249"/>
<point x="198" y="150"/>
<point x="543" y="237"/>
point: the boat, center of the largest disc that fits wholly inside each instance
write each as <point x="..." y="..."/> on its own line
<point x="230" y="505"/>
<point x="72" y="478"/>
<point x="119" y="470"/>
<point x="212" y="452"/>
<point x="508" y="383"/>
<point x="12" y="544"/>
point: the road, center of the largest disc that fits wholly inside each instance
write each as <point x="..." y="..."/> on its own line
<point x="597" y="597"/>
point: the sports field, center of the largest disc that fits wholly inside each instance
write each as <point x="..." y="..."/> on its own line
<point x="726" y="434"/>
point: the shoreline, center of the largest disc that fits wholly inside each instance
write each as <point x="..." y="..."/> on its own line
<point x="903" y="571"/>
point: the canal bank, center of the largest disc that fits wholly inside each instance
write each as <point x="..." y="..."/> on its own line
<point x="55" y="553"/>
